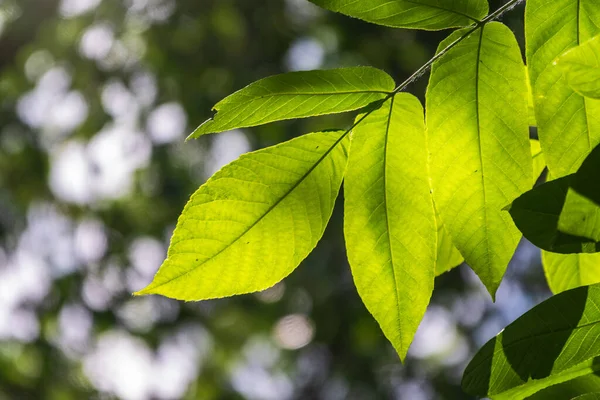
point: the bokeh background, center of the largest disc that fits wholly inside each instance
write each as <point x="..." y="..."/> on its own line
<point x="96" y="98"/>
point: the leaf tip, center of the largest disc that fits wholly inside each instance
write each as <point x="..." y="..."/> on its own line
<point x="202" y="129"/>
<point x="492" y="290"/>
<point x="142" y="292"/>
<point x="149" y="289"/>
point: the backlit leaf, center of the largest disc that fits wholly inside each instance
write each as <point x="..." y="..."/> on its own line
<point x="563" y="385"/>
<point x="549" y="344"/>
<point x="580" y="216"/>
<point x="568" y="271"/>
<point x="479" y="144"/>
<point x="448" y="256"/>
<point x="389" y="224"/>
<point x="539" y="162"/>
<point x="255" y="220"/>
<point x="531" y="114"/>
<point x="416" y="14"/>
<point x="568" y="124"/>
<point x="581" y="66"/>
<point x="298" y="95"/>
<point x="563" y="215"/>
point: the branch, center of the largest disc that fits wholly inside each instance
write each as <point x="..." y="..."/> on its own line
<point x="421" y="71"/>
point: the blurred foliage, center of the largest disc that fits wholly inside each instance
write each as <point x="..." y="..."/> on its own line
<point x="96" y="98"/>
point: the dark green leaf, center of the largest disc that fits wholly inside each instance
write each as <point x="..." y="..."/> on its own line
<point x="563" y="215"/>
<point x="549" y="344"/>
<point x="589" y="396"/>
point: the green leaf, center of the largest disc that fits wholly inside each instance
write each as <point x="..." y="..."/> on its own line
<point x="568" y="124"/>
<point x="561" y="385"/>
<point x="298" y="95"/>
<point x="556" y="386"/>
<point x="588" y="396"/>
<point x="415" y="14"/>
<point x="255" y="220"/>
<point x="390" y="225"/>
<point x="586" y="180"/>
<point x="568" y="271"/>
<point x="580" y="216"/>
<point x="448" y="256"/>
<point x="539" y="162"/>
<point x="581" y="67"/>
<point x="546" y="345"/>
<point x="581" y="387"/>
<point x="563" y="215"/>
<point x="537" y="212"/>
<point x="479" y="144"/>
<point x="531" y="110"/>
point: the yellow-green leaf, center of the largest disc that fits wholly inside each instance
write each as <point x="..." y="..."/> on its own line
<point x="448" y="256"/>
<point x="415" y="14"/>
<point x="539" y="162"/>
<point x="568" y="124"/>
<point x="298" y="95"/>
<point x="568" y="271"/>
<point x="255" y="220"/>
<point x="581" y="66"/>
<point x="389" y="224"/>
<point x="479" y="144"/>
<point x="563" y="215"/>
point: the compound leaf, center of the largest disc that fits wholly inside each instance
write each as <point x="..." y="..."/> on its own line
<point x="568" y="124"/>
<point x="415" y="14"/>
<point x="581" y="67"/>
<point x="298" y="95"/>
<point x="479" y="143"/>
<point x="555" y="341"/>
<point x="390" y="224"/>
<point x="255" y="220"/>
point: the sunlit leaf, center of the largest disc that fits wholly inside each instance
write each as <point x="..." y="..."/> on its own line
<point x="416" y="14"/>
<point x="254" y="221"/>
<point x="537" y="212"/>
<point x="298" y="95"/>
<point x="539" y="162"/>
<point x="389" y="224"/>
<point x="553" y="342"/>
<point x="562" y="385"/>
<point x="562" y="215"/>
<point x="568" y="124"/>
<point x="448" y="256"/>
<point x="479" y="144"/>
<point x="580" y="216"/>
<point x="531" y="113"/>
<point x="581" y="66"/>
<point x="568" y="271"/>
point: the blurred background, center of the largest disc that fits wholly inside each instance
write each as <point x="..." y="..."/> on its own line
<point x="96" y="98"/>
